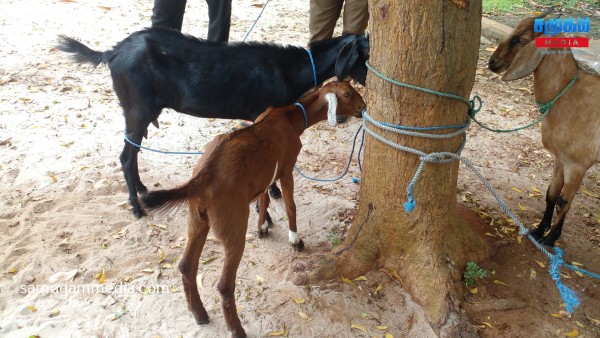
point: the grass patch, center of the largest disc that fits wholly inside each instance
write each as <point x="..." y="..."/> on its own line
<point x="501" y="5"/>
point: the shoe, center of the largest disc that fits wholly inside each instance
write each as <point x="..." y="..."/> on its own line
<point x="341" y="118"/>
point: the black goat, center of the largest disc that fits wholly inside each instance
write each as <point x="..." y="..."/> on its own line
<point x="160" y="68"/>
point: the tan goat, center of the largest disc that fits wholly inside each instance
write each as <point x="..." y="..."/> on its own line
<point x="571" y="130"/>
<point x="237" y="168"/>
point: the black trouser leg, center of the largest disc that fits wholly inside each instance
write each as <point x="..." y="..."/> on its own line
<point x="219" y="20"/>
<point x="168" y="13"/>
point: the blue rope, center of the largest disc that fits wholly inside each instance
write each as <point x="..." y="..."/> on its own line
<point x="255" y="21"/>
<point x="304" y="113"/>
<point x="345" y="170"/>
<point x="568" y="295"/>
<point x="162" y="151"/>
<point x="312" y="63"/>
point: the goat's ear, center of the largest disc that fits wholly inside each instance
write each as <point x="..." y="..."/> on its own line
<point x="346" y="59"/>
<point x="524" y="63"/>
<point x="331" y="109"/>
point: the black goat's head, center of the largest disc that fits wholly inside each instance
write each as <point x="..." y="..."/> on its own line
<point x="352" y="58"/>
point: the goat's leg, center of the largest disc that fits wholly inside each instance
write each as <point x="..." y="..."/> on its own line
<point x="552" y="194"/>
<point x="197" y="232"/>
<point x="130" y="170"/>
<point x="231" y="231"/>
<point x="287" y="187"/>
<point x="573" y="174"/>
<point x="264" y="220"/>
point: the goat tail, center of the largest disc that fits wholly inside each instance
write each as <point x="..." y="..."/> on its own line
<point x="165" y="200"/>
<point x="82" y="53"/>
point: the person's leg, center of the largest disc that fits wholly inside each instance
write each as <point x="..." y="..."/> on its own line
<point x="219" y="20"/>
<point x="168" y="13"/>
<point x="323" y="17"/>
<point x="356" y="17"/>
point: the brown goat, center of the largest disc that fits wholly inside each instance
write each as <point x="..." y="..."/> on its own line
<point x="571" y="130"/>
<point x="231" y="174"/>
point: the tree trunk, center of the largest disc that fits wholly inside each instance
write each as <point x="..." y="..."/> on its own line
<point x="431" y="44"/>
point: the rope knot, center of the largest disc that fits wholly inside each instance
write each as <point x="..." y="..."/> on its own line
<point x="568" y="295"/>
<point x="472" y="104"/>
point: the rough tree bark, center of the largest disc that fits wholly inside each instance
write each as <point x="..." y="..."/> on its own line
<point x="432" y="44"/>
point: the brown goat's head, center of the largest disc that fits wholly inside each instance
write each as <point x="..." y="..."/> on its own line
<point x="519" y="45"/>
<point x="343" y="99"/>
<point x="504" y="55"/>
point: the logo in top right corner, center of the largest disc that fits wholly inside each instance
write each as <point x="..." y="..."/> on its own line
<point x="556" y="26"/>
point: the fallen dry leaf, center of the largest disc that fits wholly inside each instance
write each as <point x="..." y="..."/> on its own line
<point x="499" y="282"/>
<point x="346" y="280"/>
<point x="572" y="333"/>
<point x="358" y="327"/>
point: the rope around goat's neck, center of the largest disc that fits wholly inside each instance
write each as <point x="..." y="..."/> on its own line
<point x="545" y="107"/>
<point x="303" y="113"/>
<point x="312" y="63"/>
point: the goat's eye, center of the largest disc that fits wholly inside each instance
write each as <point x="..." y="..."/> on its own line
<point x="346" y="94"/>
<point x="523" y="41"/>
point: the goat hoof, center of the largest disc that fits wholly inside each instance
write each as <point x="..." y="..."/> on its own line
<point x="139" y="213"/>
<point x="298" y="246"/>
<point x="201" y="319"/>
<point x="237" y="334"/>
<point x="274" y="192"/>
<point x="263" y="233"/>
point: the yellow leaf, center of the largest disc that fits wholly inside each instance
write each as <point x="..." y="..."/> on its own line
<point x="200" y="280"/>
<point x="12" y="270"/>
<point x="148" y="270"/>
<point x="578" y="274"/>
<point x="497" y="281"/>
<point x="490" y="49"/>
<point x="572" y="333"/>
<point x="166" y="265"/>
<point x="161" y="256"/>
<point x="299" y="300"/>
<point x="522" y="207"/>
<point x="358" y="327"/>
<point x="392" y="274"/>
<point x="534" y="189"/>
<point x="388" y="335"/>
<point x="556" y="315"/>
<point x="278" y="333"/>
<point x="31" y="308"/>
<point x="52" y="178"/>
<point x="487" y="324"/>
<point x="101" y="277"/>
<point x="381" y="327"/>
<point x="517" y="190"/>
<point x="541" y="264"/>
<point x="473" y="290"/>
<point x="532" y="274"/>
<point x="378" y="288"/>
<point x="304" y="315"/>
<point x="593" y="320"/>
<point x="346" y="280"/>
<point x="589" y="194"/>
<point x="576" y="264"/>
<point x="360" y="278"/>
<point x="519" y="239"/>
<point x="260" y="279"/>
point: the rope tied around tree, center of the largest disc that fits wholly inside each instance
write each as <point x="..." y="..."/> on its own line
<point x="568" y="295"/>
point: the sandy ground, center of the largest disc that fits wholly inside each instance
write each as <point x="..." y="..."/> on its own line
<point x="64" y="221"/>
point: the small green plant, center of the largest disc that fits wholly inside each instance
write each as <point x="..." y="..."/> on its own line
<point x="334" y="239"/>
<point x="473" y="271"/>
